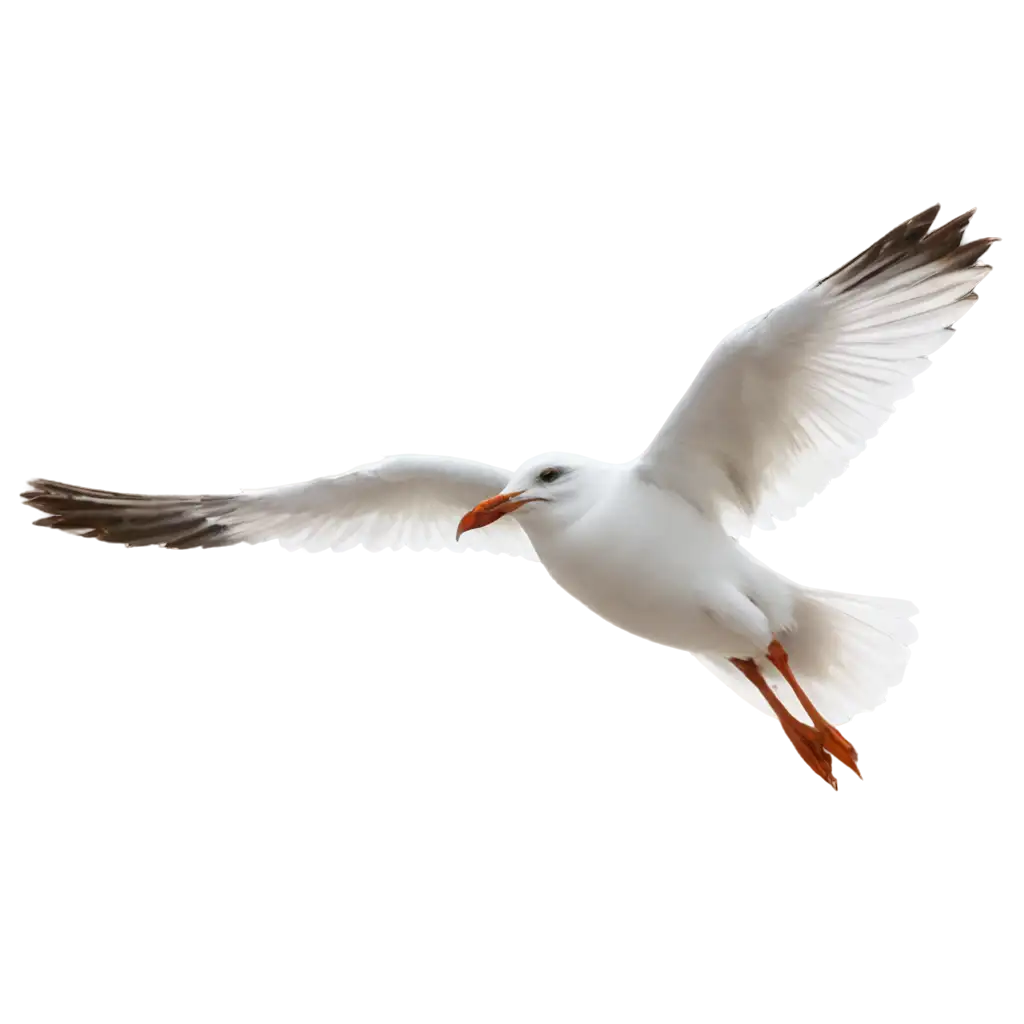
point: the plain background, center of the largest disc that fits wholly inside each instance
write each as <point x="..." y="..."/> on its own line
<point x="246" y="244"/>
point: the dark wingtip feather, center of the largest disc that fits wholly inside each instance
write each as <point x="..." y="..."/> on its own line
<point x="131" y="519"/>
<point x="914" y="240"/>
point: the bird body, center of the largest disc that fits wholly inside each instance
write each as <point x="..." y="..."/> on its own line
<point x="653" y="546"/>
<point x="647" y="561"/>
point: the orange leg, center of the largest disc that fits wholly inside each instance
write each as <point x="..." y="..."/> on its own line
<point x="804" y="737"/>
<point x="832" y="739"/>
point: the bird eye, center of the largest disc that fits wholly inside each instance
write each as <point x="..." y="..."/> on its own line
<point x="547" y="476"/>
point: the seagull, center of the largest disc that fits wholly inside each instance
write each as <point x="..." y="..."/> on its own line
<point x="653" y="545"/>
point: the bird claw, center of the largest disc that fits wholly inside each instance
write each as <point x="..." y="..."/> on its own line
<point x="839" y="746"/>
<point x="828" y="735"/>
<point x="807" y="750"/>
<point x="814" y="747"/>
<point x="813" y="757"/>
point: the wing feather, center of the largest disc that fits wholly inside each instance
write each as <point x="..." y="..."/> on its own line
<point x="406" y="501"/>
<point x="786" y="401"/>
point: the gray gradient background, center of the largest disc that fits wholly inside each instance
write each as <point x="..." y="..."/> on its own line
<point x="261" y="243"/>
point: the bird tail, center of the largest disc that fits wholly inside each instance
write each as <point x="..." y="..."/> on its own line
<point x="846" y="651"/>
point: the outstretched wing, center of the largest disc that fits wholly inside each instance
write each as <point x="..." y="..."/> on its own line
<point x="406" y="501"/>
<point x="786" y="401"/>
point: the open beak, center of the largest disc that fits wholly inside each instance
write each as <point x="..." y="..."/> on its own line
<point x="490" y="511"/>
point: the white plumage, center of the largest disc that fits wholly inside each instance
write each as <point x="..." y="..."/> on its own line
<point x="779" y="409"/>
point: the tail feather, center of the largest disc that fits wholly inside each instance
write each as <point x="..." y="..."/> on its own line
<point x="846" y="650"/>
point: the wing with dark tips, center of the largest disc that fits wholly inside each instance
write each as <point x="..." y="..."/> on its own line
<point x="785" y="402"/>
<point x="407" y="501"/>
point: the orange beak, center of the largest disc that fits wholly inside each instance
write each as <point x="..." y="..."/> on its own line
<point x="490" y="511"/>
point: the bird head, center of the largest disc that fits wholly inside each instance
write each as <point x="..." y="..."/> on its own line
<point x="547" y="489"/>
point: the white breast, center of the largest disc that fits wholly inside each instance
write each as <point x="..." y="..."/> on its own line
<point x="645" y="560"/>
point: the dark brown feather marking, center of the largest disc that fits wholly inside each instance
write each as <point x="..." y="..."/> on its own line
<point x="135" y="520"/>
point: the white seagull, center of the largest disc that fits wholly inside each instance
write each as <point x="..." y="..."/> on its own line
<point x="778" y="410"/>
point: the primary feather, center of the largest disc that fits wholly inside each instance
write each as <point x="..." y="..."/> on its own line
<point x="406" y="501"/>
<point x="787" y="400"/>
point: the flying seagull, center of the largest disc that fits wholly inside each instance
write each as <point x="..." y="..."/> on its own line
<point x="778" y="410"/>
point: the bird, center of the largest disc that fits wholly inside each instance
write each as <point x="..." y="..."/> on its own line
<point x="655" y="545"/>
